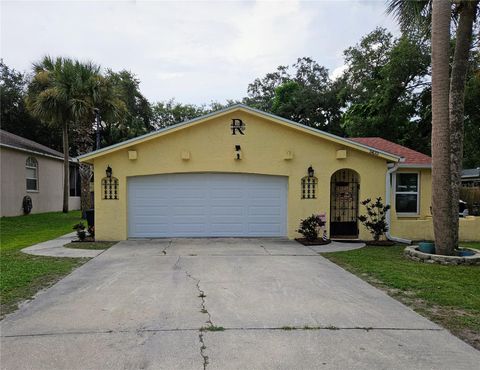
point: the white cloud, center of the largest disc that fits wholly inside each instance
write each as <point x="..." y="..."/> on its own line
<point x="337" y="72"/>
<point x="193" y="51"/>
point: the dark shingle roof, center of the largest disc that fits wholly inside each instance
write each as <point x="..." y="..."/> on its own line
<point x="18" y="142"/>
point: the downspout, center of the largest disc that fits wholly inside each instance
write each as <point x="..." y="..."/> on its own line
<point x="388" y="186"/>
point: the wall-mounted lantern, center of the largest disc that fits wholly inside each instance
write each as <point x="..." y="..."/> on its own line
<point x="309" y="184"/>
<point x="311" y="171"/>
<point x="238" y="152"/>
<point x="109" y="185"/>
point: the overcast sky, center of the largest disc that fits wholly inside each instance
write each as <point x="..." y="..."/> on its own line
<point x="194" y="51"/>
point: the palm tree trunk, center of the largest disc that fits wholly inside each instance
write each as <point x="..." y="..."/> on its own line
<point x="85" y="174"/>
<point x="441" y="189"/>
<point x="66" y="168"/>
<point x="457" y="98"/>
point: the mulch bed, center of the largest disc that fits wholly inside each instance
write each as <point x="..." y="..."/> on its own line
<point x="304" y="241"/>
<point x="88" y="239"/>
<point x="380" y="243"/>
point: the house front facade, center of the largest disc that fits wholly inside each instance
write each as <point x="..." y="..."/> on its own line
<point x="240" y="172"/>
<point x="32" y="170"/>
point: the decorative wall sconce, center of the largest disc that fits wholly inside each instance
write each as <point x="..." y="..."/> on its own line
<point x="311" y="171"/>
<point x="238" y="152"/>
<point x="109" y="185"/>
<point x="309" y="184"/>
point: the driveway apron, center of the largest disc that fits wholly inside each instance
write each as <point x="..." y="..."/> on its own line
<point x="221" y="304"/>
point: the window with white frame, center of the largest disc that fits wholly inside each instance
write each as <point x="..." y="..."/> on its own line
<point x="406" y="193"/>
<point x="31" y="167"/>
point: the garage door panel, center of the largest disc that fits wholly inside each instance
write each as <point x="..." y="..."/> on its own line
<point x="189" y="229"/>
<point x="266" y="228"/>
<point x="193" y="210"/>
<point x="214" y="204"/>
<point x="226" y="228"/>
<point x="150" y="210"/>
<point x="263" y="211"/>
<point x="226" y="211"/>
<point x="145" y="230"/>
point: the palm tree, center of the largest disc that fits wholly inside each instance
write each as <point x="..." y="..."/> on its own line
<point x="57" y="95"/>
<point x="441" y="189"/>
<point x="419" y="14"/>
<point x="101" y="94"/>
<point x="467" y="11"/>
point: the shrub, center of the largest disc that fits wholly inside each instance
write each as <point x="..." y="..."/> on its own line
<point x="80" y="228"/>
<point x="375" y="219"/>
<point x="310" y="227"/>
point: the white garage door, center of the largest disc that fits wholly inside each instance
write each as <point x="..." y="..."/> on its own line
<point x="207" y="204"/>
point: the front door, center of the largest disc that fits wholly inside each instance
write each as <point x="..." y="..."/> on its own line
<point x="344" y="188"/>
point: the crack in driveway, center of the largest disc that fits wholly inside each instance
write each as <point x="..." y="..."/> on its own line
<point x="168" y="246"/>
<point x="281" y="328"/>
<point x="202" y="296"/>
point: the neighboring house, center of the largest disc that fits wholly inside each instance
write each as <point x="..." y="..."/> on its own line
<point x="243" y="172"/>
<point x="471" y="177"/>
<point x="32" y="169"/>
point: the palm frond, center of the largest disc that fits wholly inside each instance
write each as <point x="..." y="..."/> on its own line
<point x="412" y="14"/>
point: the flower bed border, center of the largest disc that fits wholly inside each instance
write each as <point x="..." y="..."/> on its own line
<point x="412" y="253"/>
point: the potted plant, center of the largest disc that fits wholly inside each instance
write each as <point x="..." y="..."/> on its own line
<point x="81" y="233"/>
<point x="310" y="229"/>
<point x="375" y="221"/>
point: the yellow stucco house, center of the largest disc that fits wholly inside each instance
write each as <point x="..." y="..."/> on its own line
<point x="241" y="172"/>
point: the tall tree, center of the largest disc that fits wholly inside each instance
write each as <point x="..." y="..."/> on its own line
<point x="136" y="119"/>
<point x="302" y="92"/>
<point x="170" y="112"/>
<point x="441" y="169"/>
<point x="419" y="13"/>
<point x="467" y="11"/>
<point x="56" y="95"/>
<point x="14" y="116"/>
<point x="472" y="115"/>
<point x="383" y="88"/>
<point x="99" y="92"/>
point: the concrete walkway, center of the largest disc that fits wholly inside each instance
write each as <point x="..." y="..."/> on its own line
<point x="222" y="304"/>
<point x="55" y="248"/>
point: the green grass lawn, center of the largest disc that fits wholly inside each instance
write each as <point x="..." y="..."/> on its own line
<point x="22" y="275"/>
<point x="448" y="295"/>
<point x="90" y="245"/>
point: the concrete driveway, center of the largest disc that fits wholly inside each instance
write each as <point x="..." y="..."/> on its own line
<point x="142" y="304"/>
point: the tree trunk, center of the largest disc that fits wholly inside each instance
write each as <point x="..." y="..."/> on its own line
<point x="66" y="168"/>
<point x="83" y="136"/>
<point x="441" y="189"/>
<point x="457" y="98"/>
<point x="85" y="174"/>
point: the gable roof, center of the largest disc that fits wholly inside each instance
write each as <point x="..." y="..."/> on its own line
<point x="240" y="107"/>
<point x="9" y="140"/>
<point x="411" y="158"/>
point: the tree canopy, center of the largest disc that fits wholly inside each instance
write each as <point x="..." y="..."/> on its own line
<point x="384" y="90"/>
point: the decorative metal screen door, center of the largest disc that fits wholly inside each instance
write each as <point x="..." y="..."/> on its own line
<point x="344" y="186"/>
